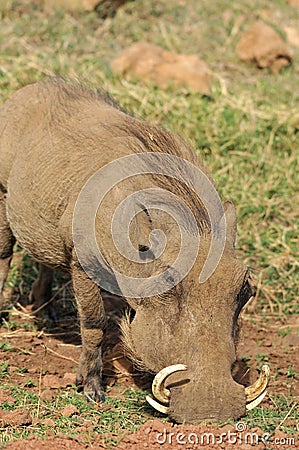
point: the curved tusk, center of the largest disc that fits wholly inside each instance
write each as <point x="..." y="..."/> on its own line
<point x="256" y="402"/>
<point x="254" y="391"/>
<point x="161" y="408"/>
<point x="160" y="392"/>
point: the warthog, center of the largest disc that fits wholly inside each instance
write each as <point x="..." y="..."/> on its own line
<point x="54" y="137"/>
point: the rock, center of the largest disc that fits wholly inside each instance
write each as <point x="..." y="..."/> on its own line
<point x="51" y="381"/>
<point x="122" y="365"/>
<point x="156" y="426"/>
<point x="18" y="417"/>
<point x="48" y="423"/>
<point x="163" y="68"/>
<point x="69" y="379"/>
<point x="262" y="46"/>
<point x="47" y="395"/>
<point x="69" y="410"/>
<point x="5" y="397"/>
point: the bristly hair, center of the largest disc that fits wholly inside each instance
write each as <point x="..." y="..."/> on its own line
<point x="76" y="89"/>
<point x="153" y="139"/>
<point x="127" y="341"/>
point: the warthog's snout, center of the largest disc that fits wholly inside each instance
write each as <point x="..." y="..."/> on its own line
<point x="207" y="400"/>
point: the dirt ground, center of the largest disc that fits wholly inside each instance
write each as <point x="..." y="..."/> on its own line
<point x="58" y="351"/>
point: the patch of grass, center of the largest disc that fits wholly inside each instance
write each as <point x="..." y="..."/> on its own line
<point x="7" y="347"/>
<point x="119" y="415"/>
<point x="4" y="370"/>
<point x="275" y="417"/>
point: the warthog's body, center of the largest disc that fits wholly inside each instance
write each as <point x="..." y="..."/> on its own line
<point x="53" y="138"/>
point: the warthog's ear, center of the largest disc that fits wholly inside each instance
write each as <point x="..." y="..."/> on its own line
<point x="133" y="302"/>
<point x="231" y="223"/>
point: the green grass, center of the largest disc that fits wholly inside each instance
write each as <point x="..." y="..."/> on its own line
<point x="120" y="415"/>
<point x="247" y="132"/>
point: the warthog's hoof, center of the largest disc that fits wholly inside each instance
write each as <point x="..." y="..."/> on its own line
<point x="93" y="391"/>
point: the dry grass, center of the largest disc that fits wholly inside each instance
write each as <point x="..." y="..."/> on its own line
<point x="247" y="131"/>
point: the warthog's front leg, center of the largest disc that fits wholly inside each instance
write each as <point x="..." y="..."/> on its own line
<point x="93" y="322"/>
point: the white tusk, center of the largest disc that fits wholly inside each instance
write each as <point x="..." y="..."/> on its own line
<point x="256" y="402"/>
<point x="160" y="392"/>
<point x="161" y="408"/>
<point x="255" y="390"/>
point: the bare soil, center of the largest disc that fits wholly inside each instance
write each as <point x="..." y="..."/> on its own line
<point x="51" y="357"/>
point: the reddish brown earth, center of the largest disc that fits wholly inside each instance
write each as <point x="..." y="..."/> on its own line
<point x="58" y="350"/>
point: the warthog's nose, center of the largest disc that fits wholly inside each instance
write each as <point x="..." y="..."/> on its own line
<point x="207" y="401"/>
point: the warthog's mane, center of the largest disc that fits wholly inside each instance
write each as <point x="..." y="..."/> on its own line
<point x="143" y="137"/>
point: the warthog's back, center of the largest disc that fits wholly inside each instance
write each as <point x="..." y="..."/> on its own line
<point x="51" y="141"/>
<point x="54" y="136"/>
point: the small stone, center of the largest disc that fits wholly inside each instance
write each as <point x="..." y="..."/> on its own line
<point x="49" y="423"/>
<point x="69" y="410"/>
<point x="5" y="397"/>
<point x="51" y="381"/>
<point x="47" y="395"/>
<point x="69" y="379"/>
<point x="123" y="365"/>
<point x="18" y="417"/>
<point x="157" y="425"/>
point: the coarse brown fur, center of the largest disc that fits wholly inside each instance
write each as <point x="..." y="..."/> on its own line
<point x="53" y="137"/>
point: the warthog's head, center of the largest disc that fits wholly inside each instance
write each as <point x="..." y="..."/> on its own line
<point x="168" y="218"/>
<point x="194" y="327"/>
